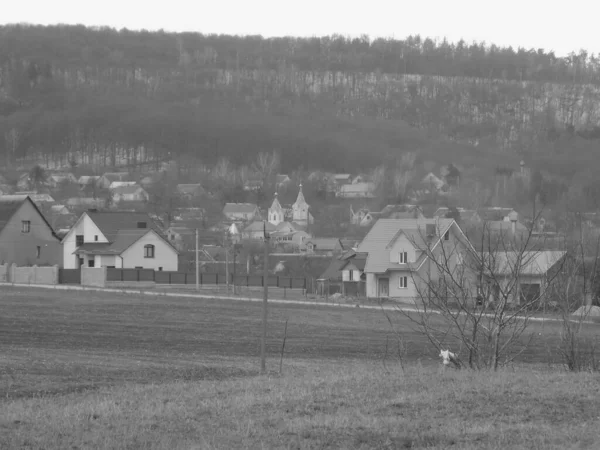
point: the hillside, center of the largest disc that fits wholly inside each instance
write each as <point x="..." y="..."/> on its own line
<point x="114" y="97"/>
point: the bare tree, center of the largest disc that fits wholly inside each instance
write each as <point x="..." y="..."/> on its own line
<point x="266" y="166"/>
<point x="473" y="294"/>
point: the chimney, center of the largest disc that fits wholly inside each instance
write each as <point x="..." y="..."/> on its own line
<point x="513" y="216"/>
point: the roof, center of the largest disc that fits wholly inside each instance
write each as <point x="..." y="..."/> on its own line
<point x="116" y="176"/>
<point x="88" y="179"/>
<point x="358" y="260"/>
<point x="116" y="184"/>
<point x="189" y="188"/>
<point x="9" y="207"/>
<point x="276" y="206"/>
<point x="239" y="208"/>
<point x="366" y="187"/>
<point x="501" y="226"/>
<point x="282" y="178"/>
<point x="333" y="271"/>
<point x="385" y="231"/>
<point x="259" y="225"/>
<point x="341" y="176"/>
<point x="33" y="197"/>
<point x="127" y="190"/>
<point x="110" y="222"/>
<point x="122" y="241"/>
<point x="494" y="213"/>
<point x="529" y="263"/>
<point x="326" y="243"/>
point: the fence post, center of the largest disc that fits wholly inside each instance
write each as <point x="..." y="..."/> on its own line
<point x="169" y="277"/>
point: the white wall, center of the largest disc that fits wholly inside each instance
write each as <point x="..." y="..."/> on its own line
<point x="371" y="286"/>
<point x="86" y="227"/>
<point x="165" y="256"/>
<point x="402" y="244"/>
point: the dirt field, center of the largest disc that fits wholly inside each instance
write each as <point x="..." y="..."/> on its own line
<point x="63" y="341"/>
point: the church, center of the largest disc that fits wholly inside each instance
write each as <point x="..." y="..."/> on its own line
<point x="301" y="215"/>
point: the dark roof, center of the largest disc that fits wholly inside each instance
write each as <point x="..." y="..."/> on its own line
<point x="111" y="222"/>
<point x="7" y="210"/>
<point x="333" y="271"/>
<point x="239" y="208"/>
<point x="122" y="241"/>
<point x="9" y="207"/>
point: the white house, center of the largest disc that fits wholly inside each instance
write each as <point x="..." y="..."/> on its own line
<point x="87" y="180"/>
<point x="118" y="184"/>
<point x="241" y="211"/>
<point x="398" y="264"/>
<point x="58" y="178"/>
<point x="105" y="180"/>
<point x="357" y="190"/>
<point x="118" y="240"/>
<point x="132" y="193"/>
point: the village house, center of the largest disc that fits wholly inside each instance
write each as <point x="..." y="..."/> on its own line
<point x="110" y="177"/>
<point x="189" y="191"/>
<point x="324" y="246"/>
<point x="398" y="264"/>
<point x="86" y="202"/>
<point x="58" y="178"/>
<point x="496" y="214"/>
<point x="26" y="237"/>
<point x="465" y="215"/>
<point x="130" y="193"/>
<point x="118" y="240"/>
<point x="182" y="238"/>
<point x="24" y="181"/>
<point x="59" y="210"/>
<point x="357" y="190"/>
<point x="521" y="277"/>
<point x="118" y="184"/>
<point x="353" y="273"/>
<point x="241" y="211"/>
<point x="257" y="229"/>
<point x="282" y="181"/>
<point x="87" y="180"/>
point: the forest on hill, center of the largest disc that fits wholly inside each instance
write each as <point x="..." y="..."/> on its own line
<point x="111" y="97"/>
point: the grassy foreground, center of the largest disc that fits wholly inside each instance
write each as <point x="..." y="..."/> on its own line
<point x="344" y="405"/>
<point x="97" y="370"/>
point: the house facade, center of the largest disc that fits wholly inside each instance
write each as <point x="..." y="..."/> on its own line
<point x="119" y="240"/>
<point x="324" y="246"/>
<point x="132" y="193"/>
<point x="26" y="237"/>
<point x="108" y="178"/>
<point x="256" y="230"/>
<point x="357" y="190"/>
<point x="400" y="251"/>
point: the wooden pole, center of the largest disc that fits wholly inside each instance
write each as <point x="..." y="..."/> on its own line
<point x="263" y="353"/>
<point x="226" y="264"/>
<point x="197" y="264"/>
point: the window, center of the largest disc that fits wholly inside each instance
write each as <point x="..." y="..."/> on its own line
<point x="171" y="237"/>
<point x="96" y="238"/>
<point x="25" y="226"/>
<point x="402" y="257"/>
<point x="403" y="284"/>
<point x="447" y="236"/>
<point x="351" y="275"/>
<point x="142" y="225"/>
<point x="91" y="263"/>
<point x="160" y="269"/>
<point x="79" y="240"/>
<point x="148" y="251"/>
<point x="80" y="262"/>
<point x="38" y="251"/>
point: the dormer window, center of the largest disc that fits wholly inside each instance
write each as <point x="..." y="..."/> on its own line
<point x="402" y="257"/>
<point x="142" y="225"/>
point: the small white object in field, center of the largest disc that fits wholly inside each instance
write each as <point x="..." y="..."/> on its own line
<point x="446" y="356"/>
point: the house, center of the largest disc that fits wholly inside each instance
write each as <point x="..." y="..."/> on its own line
<point x="35" y="197"/>
<point x="148" y="181"/>
<point x="359" y="179"/>
<point x="118" y="240"/>
<point x="282" y="181"/>
<point x="108" y="178"/>
<point x="357" y="190"/>
<point x="532" y="267"/>
<point x="118" y="184"/>
<point x="59" y="210"/>
<point x="241" y="211"/>
<point x="353" y="273"/>
<point x="86" y="202"/>
<point x="88" y="180"/>
<point x="341" y="179"/>
<point x="189" y="190"/>
<point x="253" y="183"/>
<point x="295" y="239"/>
<point x="356" y="217"/>
<point x="493" y="214"/>
<point x="131" y="193"/>
<point x="182" y="238"/>
<point x="26" y="236"/>
<point x="257" y="230"/>
<point x="399" y="252"/>
<point x="324" y="246"/>
<point x="432" y="181"/>
<point x="464" y="215"/>
<point x="24" y="181"/>
<point x="58" y="178"/>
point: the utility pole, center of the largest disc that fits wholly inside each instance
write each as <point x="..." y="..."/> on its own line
<point x="197" y="265"/>
<point x="226" y="262"/>
<point x="263" y="354"/>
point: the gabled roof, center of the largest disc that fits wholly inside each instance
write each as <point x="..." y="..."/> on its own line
<point x="385" y="231"/>
<point x="239" y="208"/>
<point x="276" y="206"/>
<point x="9" y="207"/>
<point x="117" y="184"/>
<point x="128" y="190"/>
<point x="358" y="188"/>
<point x="359" y="260"/>
<point x="122" y="241"/>
<point x="189" y="188"/>
<point x="494" y="213"/>
<point x="111" y="222"/>
<point x="528" y="263"/>
<point x="88" y="179"/>
<point x="259" y="225"/>
<point x="326" y="244"/>
<point x="116" y="176"/>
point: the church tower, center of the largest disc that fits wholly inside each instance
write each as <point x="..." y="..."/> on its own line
<point x="300" y="212"/>
<point x="276" y="215"/>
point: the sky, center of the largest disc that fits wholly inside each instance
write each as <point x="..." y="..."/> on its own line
<point x="562" y="27"/>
